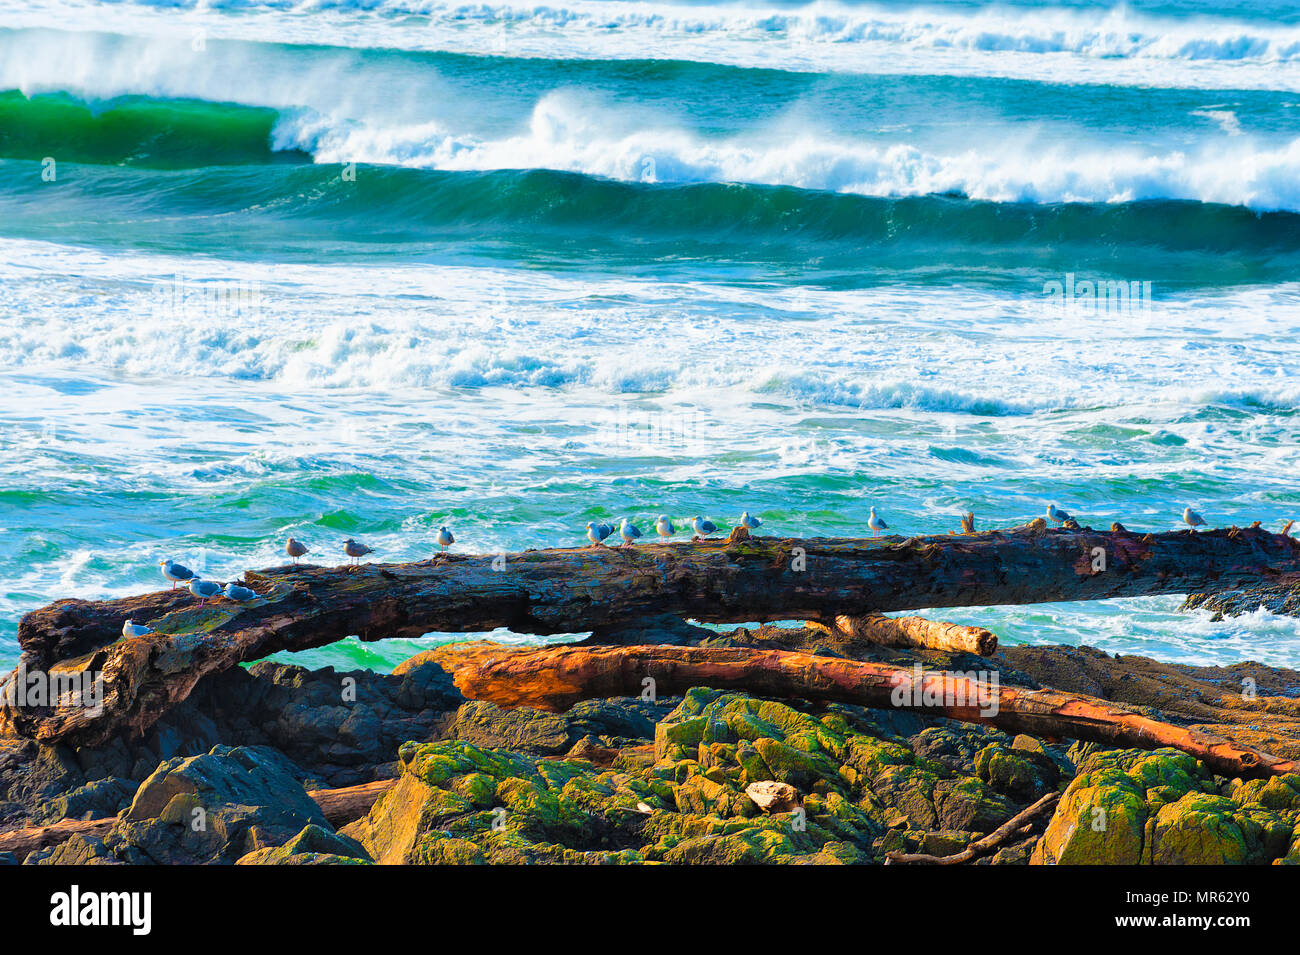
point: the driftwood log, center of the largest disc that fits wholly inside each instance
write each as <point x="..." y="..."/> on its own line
<point x="555" y="678"/>
<point x="340" y="806"/>
<point x="564" y="591"/>
<point x="912" y="632"/>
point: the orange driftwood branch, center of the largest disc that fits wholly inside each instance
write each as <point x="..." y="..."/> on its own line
<point x="340" y="807"/>
<point x="912" y="632"/>
<point x="555" y="678"/>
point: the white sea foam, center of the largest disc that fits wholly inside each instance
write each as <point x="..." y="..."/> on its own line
<point x="573" y="132"/>
<point x="408" y="120"/>
<point x="1067" y="45"/>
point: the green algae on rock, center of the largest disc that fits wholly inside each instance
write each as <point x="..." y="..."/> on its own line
<point x="1129" y="807"/>
<point x="456" y="802"/>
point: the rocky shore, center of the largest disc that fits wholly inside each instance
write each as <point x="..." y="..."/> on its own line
<point x="705" y="778"/>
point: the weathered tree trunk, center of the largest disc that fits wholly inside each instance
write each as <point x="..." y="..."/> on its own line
<point x="912" y="632"/>
<point x="350" y="803"/>
<point x="555" y="678"/>
<point x="22" y="841"/>
<point x="340" y="807"/>
<point x="565" y="591"/>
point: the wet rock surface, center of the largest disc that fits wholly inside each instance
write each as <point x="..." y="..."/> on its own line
<point x="1282" y="599"/>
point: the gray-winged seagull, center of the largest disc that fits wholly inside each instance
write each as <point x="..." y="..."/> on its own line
<point x="628" y="531"/>
<point x="205" y="590"/>
<point x="702" y="527"/>
<point x="598" y="532"/>
<point x="238" y="594"/>
<point x="1057" y="515"/>
<point x="176" y="573"/>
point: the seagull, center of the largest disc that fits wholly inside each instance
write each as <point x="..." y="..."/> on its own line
<point x="355" y="550"/>
<point x="664" y="527"/>
<point x="130" y="629"/>
<point x="748" y="520"/>
<point x="294" y="549"/>
<point x="176" y="573"/>
<point x="628" y="531"/>
<point x="597" y="532"/>
<point x="445" y="538"/>
<point x="205" y="590"/>
<point x="702" y="527"/>
<point x="238" y="594"/>
<point x="1191" y="518"/>
<point x="1057" y="515"/>
<point x="876" y="524"/>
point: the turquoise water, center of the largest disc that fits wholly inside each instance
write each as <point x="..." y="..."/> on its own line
<point x="514" y="267"/>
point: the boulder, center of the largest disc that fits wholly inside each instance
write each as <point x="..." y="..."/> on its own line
<point x="1129" y="807"/>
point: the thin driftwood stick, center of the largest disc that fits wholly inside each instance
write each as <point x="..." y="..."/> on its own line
<point x="1012" y="827"/>
<point x="913" y="632"/>
<point x="555" y="678"/>
<point x="340" y="807"/>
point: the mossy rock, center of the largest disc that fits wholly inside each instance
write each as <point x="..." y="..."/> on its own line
<point x="1161" y="807"/>
<point x="1205" y="829"/>
<point x="1020" y="773"/>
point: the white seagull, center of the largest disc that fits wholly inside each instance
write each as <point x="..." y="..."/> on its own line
<point x="876" y="524"/>
<point x="1057" y="515"/>
<point x="702" y="527"/>
<point x="664" y="527"/>
<point x="294" y="549"/>
<point x="597" y="532"/>
<point x="176" y="573"/>
<point x="749" y="520"/>
<point x="1191" y="518"/>
<point x="130" y="629"/>
<point x="240" y="595"/>
<point x="445" y="538"/>
<point x="205" y="590"/>
<point x="628" y="531"/>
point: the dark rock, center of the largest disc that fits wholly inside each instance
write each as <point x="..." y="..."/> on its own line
<point x="312" y="846"/>
<point x="215" y="807"/>
<point x="1283" y="599"/>
<point x="97" y="799"/>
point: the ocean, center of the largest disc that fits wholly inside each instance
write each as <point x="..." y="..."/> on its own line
<point x="366" y="267"/>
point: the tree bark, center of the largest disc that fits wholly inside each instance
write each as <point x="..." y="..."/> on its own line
<point x="564" y="591"/>
<point x="912" y="632"/>
<point x="555" y="678"/>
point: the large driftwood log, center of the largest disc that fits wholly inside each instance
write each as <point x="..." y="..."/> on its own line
<point x="912" y="632"/>
<point x="555" y="678"/>
<point x="565" y="591"/>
